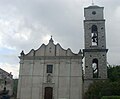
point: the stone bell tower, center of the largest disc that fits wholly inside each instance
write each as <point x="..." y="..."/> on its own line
<point x="95" y="45"/>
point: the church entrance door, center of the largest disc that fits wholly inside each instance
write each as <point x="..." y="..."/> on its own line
<point x="48" y="93"/>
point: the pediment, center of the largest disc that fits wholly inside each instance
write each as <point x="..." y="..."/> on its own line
<point x="51" y="49"/>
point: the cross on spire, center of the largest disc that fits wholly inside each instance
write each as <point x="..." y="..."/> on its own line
<point x="51" y="40"/>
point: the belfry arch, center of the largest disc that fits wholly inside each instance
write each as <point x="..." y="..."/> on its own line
<point x="95" y="68"/>
<point x="94" y="35"/>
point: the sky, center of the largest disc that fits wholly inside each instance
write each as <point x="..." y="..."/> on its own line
<point x="26" y="24"/>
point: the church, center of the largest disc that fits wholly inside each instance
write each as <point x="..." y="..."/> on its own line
<point x="52" y="72"/>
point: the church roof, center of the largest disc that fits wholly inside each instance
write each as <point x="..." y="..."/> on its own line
<point x="51" y="49"/>
<point x="4" y="73"/>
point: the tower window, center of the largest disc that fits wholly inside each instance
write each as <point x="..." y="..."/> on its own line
<point x="95" y="68"/>
<point x="93" y="12"/>
<point x="94" y="35"/>
<point x="49" y="68"/>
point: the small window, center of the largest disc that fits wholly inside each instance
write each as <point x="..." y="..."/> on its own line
<point x="5" y="82"/>
<point x="4" y="89"/>
<point x="49" y="68"/>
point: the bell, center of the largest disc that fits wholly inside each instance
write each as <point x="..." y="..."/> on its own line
<point x="94" y="37"/>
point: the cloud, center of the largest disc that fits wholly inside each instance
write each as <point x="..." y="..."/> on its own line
<point x="26" y="24"/>
<point x="50" y="17"/>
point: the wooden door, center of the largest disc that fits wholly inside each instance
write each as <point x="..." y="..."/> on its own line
<point x="48" y="93"/>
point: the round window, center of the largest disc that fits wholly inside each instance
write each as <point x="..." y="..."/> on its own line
<point x="94" y="12"/>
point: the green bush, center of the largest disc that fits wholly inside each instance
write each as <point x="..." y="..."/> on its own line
<point x="110" y="97"/>
<point x="110" y="87"/>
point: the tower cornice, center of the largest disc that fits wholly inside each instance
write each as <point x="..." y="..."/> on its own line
<point x="94" y="20"/>
<point x="95" y="50"/>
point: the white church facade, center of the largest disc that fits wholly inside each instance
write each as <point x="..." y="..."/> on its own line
<point x="52" y="72"/>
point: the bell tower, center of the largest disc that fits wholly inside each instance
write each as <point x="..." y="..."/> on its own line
<point x="95" y="45"/>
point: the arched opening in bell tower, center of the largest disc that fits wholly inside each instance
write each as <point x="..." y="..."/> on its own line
<point x="94" y="35"/>
<point x="95" y="68"/>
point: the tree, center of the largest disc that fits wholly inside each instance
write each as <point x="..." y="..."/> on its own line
<point x="114" y="73"/>
<point x="15" y="83"/>
<point x="105" y="88"/>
